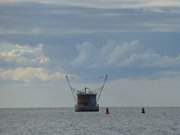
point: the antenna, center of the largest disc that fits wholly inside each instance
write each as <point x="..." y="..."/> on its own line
<point x="99" y="90"/>
<point x="73" y="90"/>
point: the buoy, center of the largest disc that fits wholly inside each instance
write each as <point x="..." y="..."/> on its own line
<point x="107" y="110"/>
<point x="143" y="110"/>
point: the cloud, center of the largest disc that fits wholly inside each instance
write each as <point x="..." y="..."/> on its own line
<point x="7" y="1"/>
<point x="85" y="52"/>
<point x="117" y="3"/>
<point x="107" y="3"/>
<point x="30" y="73"/>
<point x="36" y="22"/>
<point x="30" y="64"/>
<point x="22" y="54"/>
<point x="131" y="54"/>
<point x="160" y="26"/>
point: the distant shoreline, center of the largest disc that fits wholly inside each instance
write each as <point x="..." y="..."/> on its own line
<point x="103" y="107"/>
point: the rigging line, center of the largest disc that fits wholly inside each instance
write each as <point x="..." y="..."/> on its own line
<point x="73" y="90"/>
<point x="102" y="87"/>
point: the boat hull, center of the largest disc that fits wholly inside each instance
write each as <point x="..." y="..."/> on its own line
<point x="83" y="108"/>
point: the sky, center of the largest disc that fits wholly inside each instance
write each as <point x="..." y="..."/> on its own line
<point x="135" y="42"/>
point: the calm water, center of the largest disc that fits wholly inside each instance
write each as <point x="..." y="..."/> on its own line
<point x="63" y="121"/>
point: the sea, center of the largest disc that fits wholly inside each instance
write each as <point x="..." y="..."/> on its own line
<point x="64" y="121"/>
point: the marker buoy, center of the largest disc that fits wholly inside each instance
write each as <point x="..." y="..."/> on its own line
<point x="107" y="110"/>
<point x="143" y="110"/>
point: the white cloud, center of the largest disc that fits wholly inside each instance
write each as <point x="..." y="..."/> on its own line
<point x="117" y="3"/>
<point x="30" y="73"/>
<point x="121" y="52"/>
<point x="20" y="31"/>
<point x="22" y="54"/>
<point x="126" y="54"/>
<point x="42" y="30"/>
<point x="163" y="26"/>
<point x="108" y="3"/>
<point x="85" y="52"/>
